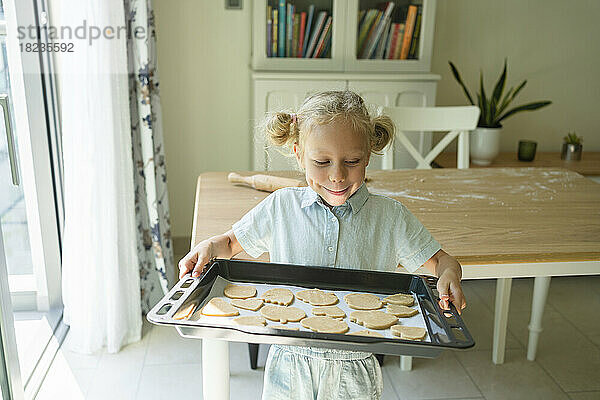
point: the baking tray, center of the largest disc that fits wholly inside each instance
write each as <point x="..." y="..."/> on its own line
<point x="446" y="329"/>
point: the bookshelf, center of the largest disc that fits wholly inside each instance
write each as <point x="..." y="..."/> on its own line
<point x="345" y="52"/>
<point x="282" y="83"/>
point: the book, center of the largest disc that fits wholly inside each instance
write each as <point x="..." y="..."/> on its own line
<point x="295" y="33"/>
<point x="359" y="21"/>
<point x="388" y="45"/>
<point x="309" y="18"/>
<point x="371" y="33"/>
<point x="318" y="25"/>
<point x="413" y="53"/>
<point x="301" y="34"/>
<point x="323" y="36"/>
<point x="398" y="46"/>
<point x="327" y="49"/>
<point x="378" y="30"/>
<point x="269" y="36"/>
<point x="274" y="46"/>
<point x="289" y="29"/>
<point x="409" y="26"/>
<point x="281" y="30"/>
<point x="364" y="28"/>
<point x="382" y="45"/>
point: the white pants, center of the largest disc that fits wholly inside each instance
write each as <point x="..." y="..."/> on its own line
<point x="308" y="373"/>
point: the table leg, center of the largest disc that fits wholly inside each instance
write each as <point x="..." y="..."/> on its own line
<point x="215" y="369"/>
<point x="503" y="286"/>
<point x="540" y="293"/>
<point x="405" y="363"/>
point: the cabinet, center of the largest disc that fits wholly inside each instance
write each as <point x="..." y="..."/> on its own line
<point x="343" y="38"/>
<point x="282" y="83"/>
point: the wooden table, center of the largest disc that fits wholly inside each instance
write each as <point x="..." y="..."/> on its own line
<point x="498" y="222"/>
<point x="588" y="165"/>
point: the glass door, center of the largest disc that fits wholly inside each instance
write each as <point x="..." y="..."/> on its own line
<point x="28" y="206"/>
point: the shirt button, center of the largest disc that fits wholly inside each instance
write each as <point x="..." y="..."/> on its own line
<point x="330" y="249"/>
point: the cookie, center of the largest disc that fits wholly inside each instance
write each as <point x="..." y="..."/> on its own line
<point x="217" y="307"/>
<point x="329" y="311"/>
<point x="247" y="304"/>
<point x="400" y="299"/>
<point x="185" y="312"/>
<point x="251" y="320"/>
<point x="363" y="301"/>
<point x="287" y="328"/>
<point x="409" y="332"/>
<point x="366" y="333"/>
<point x="281" y="296"/>
<point x="282" y="314"/>
<point x="325" y="325"/>
<point x="239" y="292"/>
<point x="398" y="310"/>
<point x="373" y="319"/>
<point x="317" y="297"/>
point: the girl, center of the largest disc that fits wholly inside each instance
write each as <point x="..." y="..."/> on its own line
<point x="334" y="221"/>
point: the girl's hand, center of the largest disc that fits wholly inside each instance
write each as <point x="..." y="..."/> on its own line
<point x="196" y="259"/>
<point x="449" y="289"/>
<point x="224" y="246"/>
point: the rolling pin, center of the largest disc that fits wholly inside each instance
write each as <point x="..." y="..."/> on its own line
<point x="267" y="183"/>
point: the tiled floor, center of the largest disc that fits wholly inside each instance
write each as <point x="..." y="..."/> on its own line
<point x="164" y="365"/>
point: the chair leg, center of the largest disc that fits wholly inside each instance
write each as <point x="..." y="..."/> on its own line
<point x="379" y="358"/>
<point x="253" y="351"/>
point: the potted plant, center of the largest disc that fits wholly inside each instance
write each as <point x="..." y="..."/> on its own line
<point x="484" y="141"/>
<point x="571" y="148"/>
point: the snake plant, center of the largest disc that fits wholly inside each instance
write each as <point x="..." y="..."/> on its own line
<point x="494" y="108"/>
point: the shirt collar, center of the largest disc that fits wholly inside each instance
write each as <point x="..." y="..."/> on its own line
<point x="356" y="201"/>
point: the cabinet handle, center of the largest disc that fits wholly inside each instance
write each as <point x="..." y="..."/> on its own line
<point x="10" y="140"/>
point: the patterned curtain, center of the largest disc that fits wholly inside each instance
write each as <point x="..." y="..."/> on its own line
<point x="155" y="250"/>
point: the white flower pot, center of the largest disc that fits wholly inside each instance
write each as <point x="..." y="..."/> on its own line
<point x="484" y="145"/>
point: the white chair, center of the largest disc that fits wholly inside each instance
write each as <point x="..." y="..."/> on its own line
<point x="458" y="121"/>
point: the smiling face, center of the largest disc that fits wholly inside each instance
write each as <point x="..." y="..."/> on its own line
<point x="334" y="158"/>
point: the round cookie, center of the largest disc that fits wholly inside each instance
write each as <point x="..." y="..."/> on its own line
<point x="373" y="319"/>
<point x="317" y="297"/>
<point x="250" y="320"/>
<point x="400" y="299"/>
<point x="282" y="314"/>
<point x="409" y="332"/>
<point x="239" y="292"/>
<point x="218" y="307"/>
<point x="247" y="304"/>
<point x="363" y="301"/>
<point x="366" y="333"/>
<point x="329" y="311"/>
<point x="398" y="310"/>
<point x="281" y="296"/>
<point x="325" y="325"/>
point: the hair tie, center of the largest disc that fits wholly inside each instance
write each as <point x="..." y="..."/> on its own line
<point x="294" y="118"/>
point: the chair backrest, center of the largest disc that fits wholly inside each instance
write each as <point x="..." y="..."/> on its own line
<point x="458" y="121"/>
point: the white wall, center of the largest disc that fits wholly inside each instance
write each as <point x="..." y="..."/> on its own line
<point x="553" y="44"/>
<point x="203" y="58"/>
<point x="204" y="52"/>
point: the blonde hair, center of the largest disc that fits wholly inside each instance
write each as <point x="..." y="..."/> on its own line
<point x="345" y="107"/>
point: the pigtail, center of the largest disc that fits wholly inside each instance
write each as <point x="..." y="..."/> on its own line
<point x="281" y="128"/>
<point x="383" y="133"/>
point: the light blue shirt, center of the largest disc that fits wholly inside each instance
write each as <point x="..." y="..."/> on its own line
<point x="368" y="231"/>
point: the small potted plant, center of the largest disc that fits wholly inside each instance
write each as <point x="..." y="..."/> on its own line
<point x="484" y="142"/>
<point x="571" y="148"/>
